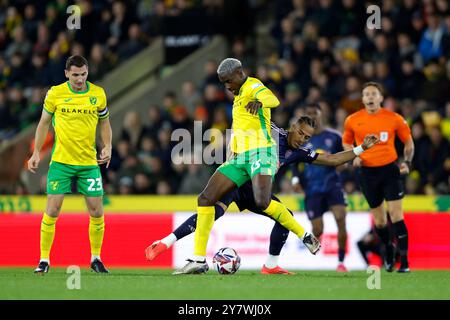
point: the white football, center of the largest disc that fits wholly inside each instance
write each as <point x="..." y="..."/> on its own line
<point x="226" y="261"/>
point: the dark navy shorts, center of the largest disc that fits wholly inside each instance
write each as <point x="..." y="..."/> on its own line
<point x="317" y="204"/>
<point x="381" y="183"/>
<point x="244" y="199"/>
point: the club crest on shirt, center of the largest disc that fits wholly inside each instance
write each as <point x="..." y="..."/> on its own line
<point x="93" y="100"/>
<point x="384" y="136"/>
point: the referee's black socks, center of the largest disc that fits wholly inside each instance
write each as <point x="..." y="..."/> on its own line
<point x="401" y="233"/>
<point x="385" y="237"/>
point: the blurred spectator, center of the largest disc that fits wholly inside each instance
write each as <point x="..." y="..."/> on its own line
<point x="133" y="45"/>
<point x="323" y="52"/>
<point x="195" y="179"/>
<point x="293" y="97"/>
<point x="133" y="130"/>
<point x="410" y="80"/>
<point x="384" y="76"/>
<point x="163" y="188"/>
<point x="42" y="44"/>
<point x="155" y="121"/>
<point x="445" y="123"/>
<point x="98" y="63"/>
<point x="351" y="101"/>
<point x="142" y="184"/>
<point x="210" y="70"/>
<point x="190" y="96"/>
<point x="430" y="45"/>
<point x="433" y="161"/>
<point x="20" y="44"/>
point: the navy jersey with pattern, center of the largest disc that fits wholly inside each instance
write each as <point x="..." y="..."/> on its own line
<point x="321" y="179"/>
<point x="243" y="196"/>
<point x="288" y="155"/>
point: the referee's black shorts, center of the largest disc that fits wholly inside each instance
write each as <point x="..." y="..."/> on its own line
<point x="381" y="183"/>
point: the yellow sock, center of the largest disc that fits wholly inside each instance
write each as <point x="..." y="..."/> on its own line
<point x="279" y="212"/>
<point x="47" y="235"/>
<point x="205" y="222"/>
<point x="96" y="232"/>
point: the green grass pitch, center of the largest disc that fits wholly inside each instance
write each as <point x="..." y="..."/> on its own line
<point x="159" y="284"/>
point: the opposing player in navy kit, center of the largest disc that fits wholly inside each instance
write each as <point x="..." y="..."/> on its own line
<point x="322" y="185"/>
<point x="289" y="151"/>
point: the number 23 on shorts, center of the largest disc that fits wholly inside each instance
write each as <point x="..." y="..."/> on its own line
<point x="94" y="184"/>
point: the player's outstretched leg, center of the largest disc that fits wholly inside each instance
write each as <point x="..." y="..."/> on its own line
<point x="281" y="214"/>
<point x="339" y="215"/>
<point x="278" y="238"/>
<point x="262" y="188"/>
<point x="185" y="229"/>
<point x="218" y="186"/>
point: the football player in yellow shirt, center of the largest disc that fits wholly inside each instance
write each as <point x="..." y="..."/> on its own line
<point x="255" y="158"/>
<point x="74" y="107"/>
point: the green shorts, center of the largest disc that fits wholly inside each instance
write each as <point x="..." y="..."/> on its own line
<point x="246" y="165"/>
<point x="88" y="178"/>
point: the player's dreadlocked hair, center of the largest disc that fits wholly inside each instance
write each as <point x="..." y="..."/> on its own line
<point x="228" y="65"/>
<point x="309" y="121"/>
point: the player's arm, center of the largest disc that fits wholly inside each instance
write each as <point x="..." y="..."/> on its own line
<point x="342" y="157"/>
<point x="404" y="133"/>
<point x="348" y="138"/>
<point x="264" y="98"/>
<point x="408" y="154"/>
<point x="39" y="138"/>
<point x="106" y="137"/>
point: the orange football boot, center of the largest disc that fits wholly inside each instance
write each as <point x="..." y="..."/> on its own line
<point x="276" y="270"/>
<point x="154" y="250"/>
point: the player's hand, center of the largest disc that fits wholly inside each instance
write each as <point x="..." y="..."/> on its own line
<point x="296" y="186"/>
<point x="253" y="107"/>
<point x="369" y="141"/>
<point x="33" y="162"/>
<point x="105" y="156"/>
<point x="404" y="168"/>
<point x="357" y="162"/>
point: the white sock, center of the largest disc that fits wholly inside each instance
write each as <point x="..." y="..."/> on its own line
<point x="93" y="257"/>
<point x="199" y="258"/>
<point x="271" y="261"/>
<point x="169" y="240"/>
<point x="45" y="260"/>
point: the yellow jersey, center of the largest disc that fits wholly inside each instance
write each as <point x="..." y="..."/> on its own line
<point x="252" y="131"/>
<point x="75" y="118"/>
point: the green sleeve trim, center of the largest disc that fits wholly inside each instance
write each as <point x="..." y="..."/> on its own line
<point x="256" y="94"/>
<point x="45" y="109"/>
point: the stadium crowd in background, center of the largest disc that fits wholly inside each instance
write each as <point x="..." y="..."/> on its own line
<point x="35" y="42"/>
<point x="315" y="62"/>
<point x="324" y="54"/>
